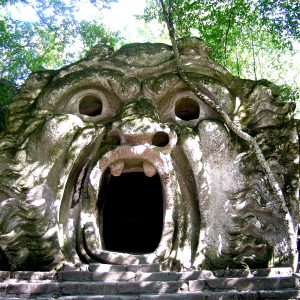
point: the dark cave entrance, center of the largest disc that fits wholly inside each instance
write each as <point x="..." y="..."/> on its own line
<point x="131" y="212"/>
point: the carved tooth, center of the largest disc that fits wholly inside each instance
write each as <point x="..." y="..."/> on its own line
<point x="149" y="169"/>
<point x="117" y="168"/>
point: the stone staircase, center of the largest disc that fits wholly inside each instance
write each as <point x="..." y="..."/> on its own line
<point x="148" y="282"/>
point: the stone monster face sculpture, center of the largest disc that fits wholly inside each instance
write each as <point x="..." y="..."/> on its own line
<point x="114" y="159"/>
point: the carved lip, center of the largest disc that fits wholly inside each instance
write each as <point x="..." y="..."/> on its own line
<point x="121" y="161"/>
<point x="126" y="159"/>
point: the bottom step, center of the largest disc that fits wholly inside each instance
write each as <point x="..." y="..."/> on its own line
<point x="261" y="295"/>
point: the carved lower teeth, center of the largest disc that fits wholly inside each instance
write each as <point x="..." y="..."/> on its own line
<point x="116" y="169"/>
<point x="149" y="169"/>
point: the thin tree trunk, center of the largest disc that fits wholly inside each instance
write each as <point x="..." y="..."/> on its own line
<point x="237" y="60"/>
<point x="226" y="35"/>
<point x="253" y="57"/>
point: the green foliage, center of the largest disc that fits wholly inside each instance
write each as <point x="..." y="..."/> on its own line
<point x="46" y="42"/>
<point x="93" y="33"/>
<point x="50" y="40"/>
<point x="26" y="48"/>
<point x="240" y="32"/>
<point x="253" y="39"/>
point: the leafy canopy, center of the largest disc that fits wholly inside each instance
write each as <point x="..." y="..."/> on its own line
<point x="244" y="34"/>
<point x="257" y="39"/>
<point x="48" y="40"/>
<point x="52" y="37"/>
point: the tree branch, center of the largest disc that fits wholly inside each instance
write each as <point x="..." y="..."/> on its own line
<point x="253" y="57"/>
<point x="232" y="126"/>
<point x="237" y="59"/>
<point x="226" y="33"/>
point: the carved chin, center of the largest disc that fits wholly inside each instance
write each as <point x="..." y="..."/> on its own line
<point x="126" y="215"/>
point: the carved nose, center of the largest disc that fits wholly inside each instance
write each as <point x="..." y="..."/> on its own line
<point x="142" y="132"/>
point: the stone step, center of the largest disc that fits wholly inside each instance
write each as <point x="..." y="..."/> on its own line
<point x="228" y="295"/>
<point x="165" y="276"/>
<point x="97" y="267"/>
<point x="232" y="295"/>
<point x="104" y="272"/>
<point x="133" y="276"/>
<point x="244" y="284"/>
<point x="254" y="284"/>
<point x="89" y="288"/>
<point x="266" y="272"/>
<point x="27" y="275"/>
<point x="29" y="288"/>
<point x="111" y="288"/>
<point x="103" y="297"/>
<point x="161" y="287"/>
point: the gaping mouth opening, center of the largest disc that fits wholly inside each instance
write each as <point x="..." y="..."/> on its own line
<point x="131" y="211"/>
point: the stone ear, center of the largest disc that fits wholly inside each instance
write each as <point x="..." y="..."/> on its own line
<point x="100" y="51"/>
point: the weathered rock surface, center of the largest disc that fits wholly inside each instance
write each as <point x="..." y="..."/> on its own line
<point x="113" y="159"/>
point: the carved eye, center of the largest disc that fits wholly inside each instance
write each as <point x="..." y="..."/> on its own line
<point x="187" y="109"/>
<point x="90" y="105"/>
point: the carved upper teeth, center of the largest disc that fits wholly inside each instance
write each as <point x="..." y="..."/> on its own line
<point x="149" y="169"/>
<point x="117" y="168"/>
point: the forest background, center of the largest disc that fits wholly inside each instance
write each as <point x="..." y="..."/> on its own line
<point x="255" y="39"/>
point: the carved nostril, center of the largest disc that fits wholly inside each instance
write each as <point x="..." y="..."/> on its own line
<point x="113" y="138"/>
<point x="160" y="139"/>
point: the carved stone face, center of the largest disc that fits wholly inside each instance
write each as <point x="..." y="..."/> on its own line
<point x="113" y="159"/>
